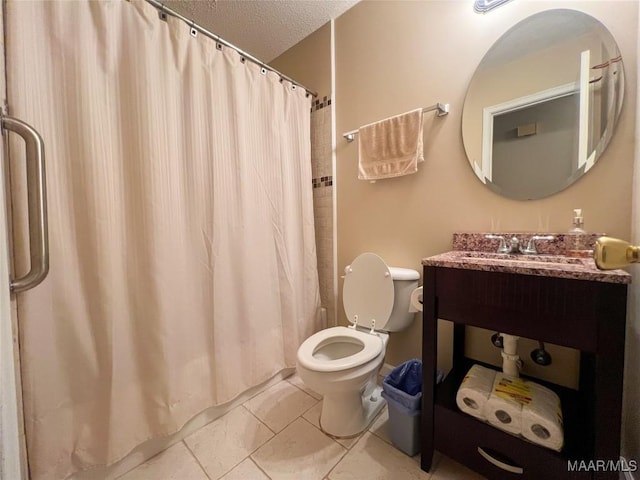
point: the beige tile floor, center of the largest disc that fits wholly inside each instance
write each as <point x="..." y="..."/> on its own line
<point x="275" y="435"/>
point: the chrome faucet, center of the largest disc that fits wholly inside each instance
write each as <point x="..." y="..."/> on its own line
<point x="531" y="246"/>
<point x="502" y="247"/>
<point x="512" y="247"/>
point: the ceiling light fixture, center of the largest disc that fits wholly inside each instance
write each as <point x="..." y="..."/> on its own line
<point x="483" y="6"/>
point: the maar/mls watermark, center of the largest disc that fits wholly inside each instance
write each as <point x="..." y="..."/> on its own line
<point x="620" y="465"/>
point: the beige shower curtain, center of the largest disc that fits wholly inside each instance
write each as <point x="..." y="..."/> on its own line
<point x="183" y="267"/>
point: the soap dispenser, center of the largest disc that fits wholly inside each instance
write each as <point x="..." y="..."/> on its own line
<point x="577" y="245"/>
<point x="578" y="222"/>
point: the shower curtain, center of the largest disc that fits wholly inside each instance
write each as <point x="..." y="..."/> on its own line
<point x="183" y="267"/>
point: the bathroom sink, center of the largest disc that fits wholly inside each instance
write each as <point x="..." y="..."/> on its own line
<point x="514" y="257"/>
<point x="478" y="251"/>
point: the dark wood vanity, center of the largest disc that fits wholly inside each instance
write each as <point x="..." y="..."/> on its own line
<point x="585" y="312"/>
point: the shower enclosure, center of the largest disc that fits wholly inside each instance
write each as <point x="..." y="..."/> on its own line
<point x="182" y="265"/>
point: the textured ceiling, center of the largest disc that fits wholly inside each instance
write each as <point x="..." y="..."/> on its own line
<point x="262" y="28"/>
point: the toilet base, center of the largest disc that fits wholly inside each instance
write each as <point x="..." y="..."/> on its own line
<point x="348" y="414"/>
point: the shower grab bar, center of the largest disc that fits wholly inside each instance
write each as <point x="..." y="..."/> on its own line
<point x="37" y="205"/>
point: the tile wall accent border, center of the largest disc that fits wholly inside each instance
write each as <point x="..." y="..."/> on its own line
<point x="317" y="104"/>
<point x="322" y="181"/>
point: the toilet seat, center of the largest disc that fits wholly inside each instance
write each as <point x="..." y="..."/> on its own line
<point x="372" y="345"/>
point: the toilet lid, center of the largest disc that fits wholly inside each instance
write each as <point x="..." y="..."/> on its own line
<point x="368" y="291"/>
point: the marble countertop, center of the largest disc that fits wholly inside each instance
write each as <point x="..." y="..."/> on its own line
<point x="549" y="263"/>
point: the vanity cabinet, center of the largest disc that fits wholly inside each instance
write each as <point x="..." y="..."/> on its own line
<point x="583" y="314"/>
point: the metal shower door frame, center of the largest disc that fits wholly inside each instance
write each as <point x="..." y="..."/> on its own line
<point x="12" y="440"/>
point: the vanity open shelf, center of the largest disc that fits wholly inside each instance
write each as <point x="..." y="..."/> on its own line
<point x="580" y="309"/>
<point x="471" y="434"/>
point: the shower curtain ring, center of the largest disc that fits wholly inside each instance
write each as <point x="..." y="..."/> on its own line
<point x="162" y="14"/>
<point x="194" y="31"/>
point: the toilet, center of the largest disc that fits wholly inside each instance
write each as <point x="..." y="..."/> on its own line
<point x="342" y="363"/>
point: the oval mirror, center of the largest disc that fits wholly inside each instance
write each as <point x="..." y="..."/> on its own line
<point x="543" y="103"/>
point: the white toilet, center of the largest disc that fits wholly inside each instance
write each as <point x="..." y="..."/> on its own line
<point x="342" y="363"/>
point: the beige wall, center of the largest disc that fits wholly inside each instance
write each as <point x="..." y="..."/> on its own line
<point x="395" y="56"/>
<point x="309" y="61"/>
<point x="631" y="397"/>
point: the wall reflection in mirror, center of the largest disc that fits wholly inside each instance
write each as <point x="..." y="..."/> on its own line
<point x="543" y="104"/>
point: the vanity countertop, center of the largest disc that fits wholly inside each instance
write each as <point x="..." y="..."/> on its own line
<point x="540" y="265"/>
<point x="473" y="251"/>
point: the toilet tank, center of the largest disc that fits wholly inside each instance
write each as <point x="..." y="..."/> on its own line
<point x="405" y="281"/>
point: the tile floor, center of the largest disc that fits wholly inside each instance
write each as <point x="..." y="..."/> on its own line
<point x="275" y="435"/>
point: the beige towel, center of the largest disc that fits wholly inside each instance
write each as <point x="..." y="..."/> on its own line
<point x="391" y="147"/>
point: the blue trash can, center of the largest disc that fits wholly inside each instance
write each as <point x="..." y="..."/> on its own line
<point x="402" y="389"/>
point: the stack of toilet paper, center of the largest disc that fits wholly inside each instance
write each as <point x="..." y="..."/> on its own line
<point x="504" y="407"/>
<point x="542" y="418"/>
<point x="475" y="390"/>
<point x="514" y="405"/>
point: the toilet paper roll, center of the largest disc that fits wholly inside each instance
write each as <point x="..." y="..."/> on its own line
<point x="474" y="391"/>
<point x="415" y="303"/>
<point x="542" y="418"/>
<point x="504" y="407"/>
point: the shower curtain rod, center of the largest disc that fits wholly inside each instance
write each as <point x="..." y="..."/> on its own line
<point x="168" y="11"/>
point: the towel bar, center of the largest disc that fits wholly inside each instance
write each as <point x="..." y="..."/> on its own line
<point x="442" y="110"/>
